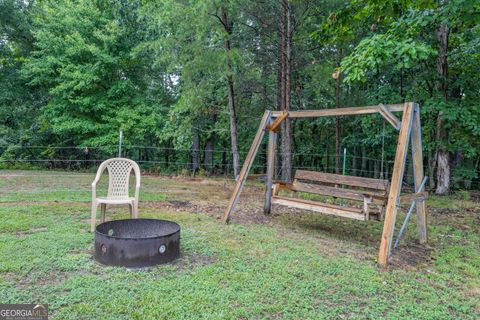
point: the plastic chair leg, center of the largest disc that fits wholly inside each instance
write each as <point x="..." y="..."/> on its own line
<point x="93" y="219"/>
<point x="103" y="208"/>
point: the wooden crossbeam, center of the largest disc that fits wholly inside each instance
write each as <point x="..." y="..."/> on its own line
<point x="339" y="111"/>
<point x="389" y="116"/>
<point x="408" y="198"/>
<point x="247" y="165"/>
<point x="276" y="124"/>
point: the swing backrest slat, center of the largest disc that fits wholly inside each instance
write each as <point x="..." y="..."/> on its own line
<point x="338" y="179"/>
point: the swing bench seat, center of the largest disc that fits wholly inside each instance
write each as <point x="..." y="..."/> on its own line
<point x="367" y="191"/>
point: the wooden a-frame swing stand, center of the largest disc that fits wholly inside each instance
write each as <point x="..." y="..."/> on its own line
<point x="409" y="129"/>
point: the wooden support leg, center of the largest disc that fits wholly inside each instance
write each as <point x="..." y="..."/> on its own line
<point x="417" y="155"/>
<point x="247" y="165"/>
<point x="272" y="141"/>
<point x="396" y="184"/>
<point x="366" y="207"/>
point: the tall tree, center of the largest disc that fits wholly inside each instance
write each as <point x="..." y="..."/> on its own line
<point x="285" y="74"/>
<point x="443" y="155"/>
<point x="83" y="57"/>
<point x="228" y="26"/>
<point x="19" y="104"/>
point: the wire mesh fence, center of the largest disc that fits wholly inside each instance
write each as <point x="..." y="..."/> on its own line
<point x="218" y="162"/>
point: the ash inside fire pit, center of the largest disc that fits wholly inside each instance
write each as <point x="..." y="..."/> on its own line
<point x="137" y="242"/>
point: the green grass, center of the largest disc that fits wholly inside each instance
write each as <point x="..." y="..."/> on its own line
<point x="305" y="266"/>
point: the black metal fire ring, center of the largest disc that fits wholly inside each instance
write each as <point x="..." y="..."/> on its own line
<point x="137" y="242"/>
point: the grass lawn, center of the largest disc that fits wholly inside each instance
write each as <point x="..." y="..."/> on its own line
<point x="293" y="265"/>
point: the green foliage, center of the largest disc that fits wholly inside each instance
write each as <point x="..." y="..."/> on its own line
<point x="83" y="59"/>
<point x="377" y="52"/>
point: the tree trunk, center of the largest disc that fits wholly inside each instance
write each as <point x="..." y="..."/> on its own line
<point x="443" y="172"/>
<point x="286" y="55"/>
<point x="210" y="147"/>
<point x="228" y="26"/>
<point x="371" y="168"/>
<point x="364" y="162"/>
<point x="431" y="165"/>
<point x="337" y="126"/>
<point x="209" y="150"/>
<point x="195" y="153"/>
<point x="457" y="161"/>
<point x="337" y="145"/>
<point x="443" y="155"/>
<point x="326" y="154"/>
<point x="280" y="82"/>
<point x="376" y="169"/>
<point x="354" y="162"/>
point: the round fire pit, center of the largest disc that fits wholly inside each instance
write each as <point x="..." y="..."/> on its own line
<point x="137" y="242"/>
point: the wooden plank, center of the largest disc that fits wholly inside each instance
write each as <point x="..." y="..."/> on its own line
<point x="339" y="111"/>
<point x="418" y="175"/>
<point x="276" y="124"/>
<point x="318" y="203"/>
<point x="272" y="142"/>
<point x="377" y="184"/>
<point x="247" y="165"/>
<point x="350" y="194"/>
<point x="396" y="184"/>
<point x="318" y="207"/>
<point x="408" y="198"/>
<point x="390" y="117"/>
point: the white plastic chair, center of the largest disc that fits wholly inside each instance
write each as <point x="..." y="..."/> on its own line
<point x="119" y="170"/>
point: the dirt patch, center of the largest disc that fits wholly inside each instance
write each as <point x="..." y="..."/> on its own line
<point x="412" y="257"/>
<point x="31" y="231"/>
<point x="45" y="203"/>
<point x="330" y="246"/>
<point x="33" y="280"/>
<point x="213" y="200"/>
<point x="9" y="276"/>
<point x="177" y="203"/>
<point x="188" y="261"/>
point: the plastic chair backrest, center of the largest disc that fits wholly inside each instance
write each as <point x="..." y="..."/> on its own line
<point x="119" y="170"/>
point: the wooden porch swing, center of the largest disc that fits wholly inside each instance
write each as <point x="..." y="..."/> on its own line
<point x="380" y="198"/>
